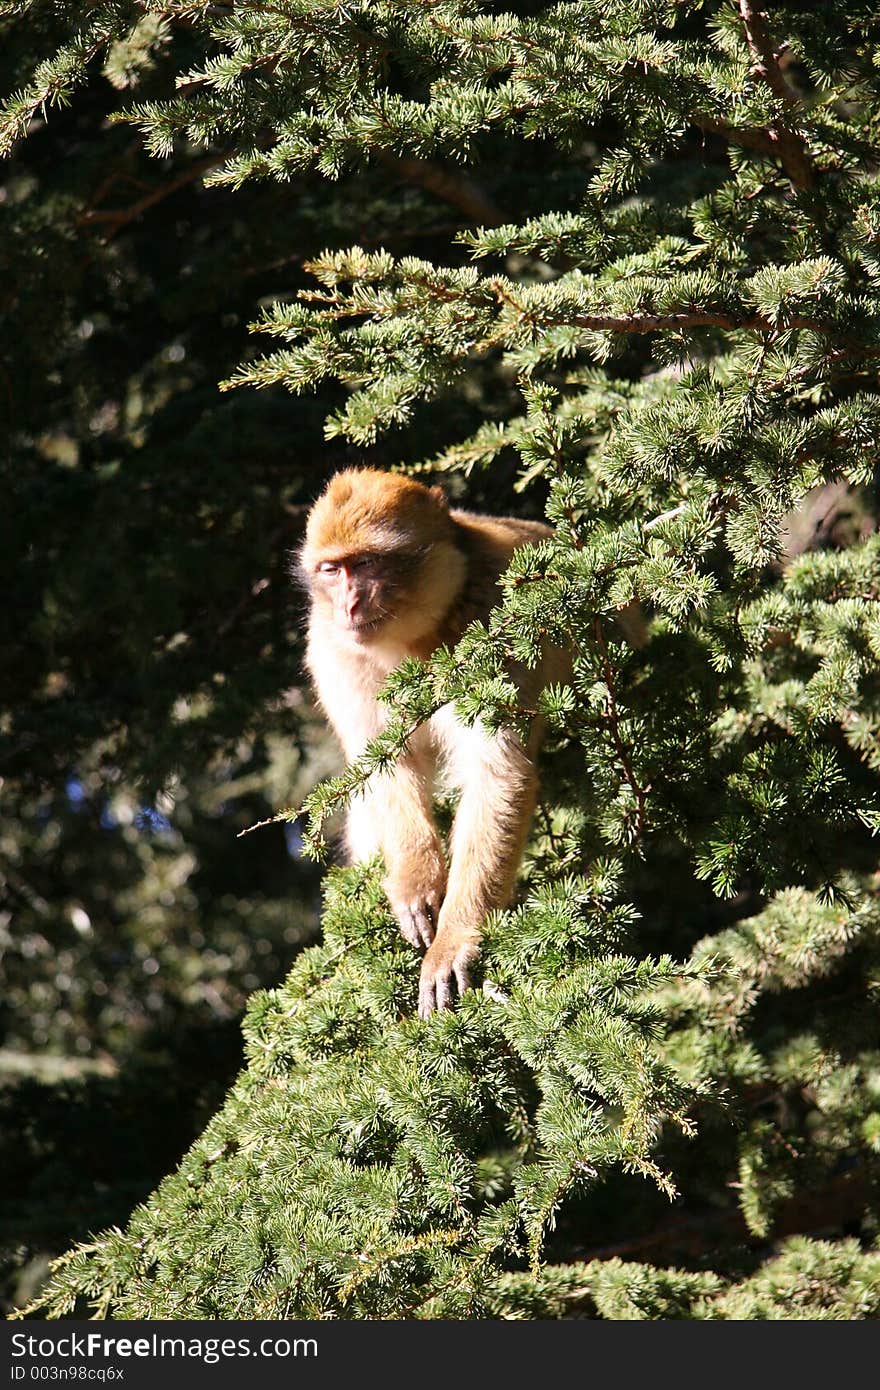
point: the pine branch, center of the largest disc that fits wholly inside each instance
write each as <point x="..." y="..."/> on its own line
<point x="53" y="84"/>
<point x="263" y="63"/>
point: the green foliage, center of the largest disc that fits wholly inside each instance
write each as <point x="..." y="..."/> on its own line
<point x="397" y="1150"/>
<point x="652" y="311"/>
<point x="369" y="1165"/>
<point x="809" y="1279"/>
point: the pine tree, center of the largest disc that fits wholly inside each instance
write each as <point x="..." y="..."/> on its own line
<point x="673" y="350"/>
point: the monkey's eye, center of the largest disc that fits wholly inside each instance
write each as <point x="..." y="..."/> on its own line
<point x="328" y="567"/>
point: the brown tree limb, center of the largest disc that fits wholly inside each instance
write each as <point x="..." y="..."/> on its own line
<point x="813" y="1211"/>
<point x="297" y="513"/>
<point x="116" y="175"/>
<point x="763" y="47"/>
<point x="114" y="219"/>
<point x="651" y="323"/>
<point x="747" y="137"/>
<point x="458" y="191"/>
<point x="789" y="144"/>
<point x="690" y="318"/>
<point x="336" y="308"/>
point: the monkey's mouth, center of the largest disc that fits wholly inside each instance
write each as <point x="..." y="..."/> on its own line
<point x="366" y="627"/>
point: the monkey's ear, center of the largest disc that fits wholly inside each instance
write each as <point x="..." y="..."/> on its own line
<point x="439" y="496"/>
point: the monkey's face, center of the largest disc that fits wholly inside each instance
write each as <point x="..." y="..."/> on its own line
<point x="364" y="590"/>
<point x="382" y="563"/>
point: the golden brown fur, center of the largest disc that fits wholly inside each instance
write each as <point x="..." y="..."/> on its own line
<point x="392" y="572"/>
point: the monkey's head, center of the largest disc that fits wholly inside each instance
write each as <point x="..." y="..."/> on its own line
<point x="381" y="557"/>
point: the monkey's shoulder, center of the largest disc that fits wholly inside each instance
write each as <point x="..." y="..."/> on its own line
<point x="488" y="542"/>
<point x="501" y="534"/>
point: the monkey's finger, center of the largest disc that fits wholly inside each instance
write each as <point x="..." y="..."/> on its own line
<point x="426" y="999"/>
<point x="409" y="928"/>
<point x="443" y="989"/>
<point x="424" y="921"/>
<point x="462" y="978"/>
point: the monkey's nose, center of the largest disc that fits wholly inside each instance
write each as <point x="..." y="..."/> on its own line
<point x="352" y="605"/>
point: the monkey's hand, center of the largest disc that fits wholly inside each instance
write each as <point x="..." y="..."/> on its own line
<point x="450" y="957"/>
<point x="416" y="898"/>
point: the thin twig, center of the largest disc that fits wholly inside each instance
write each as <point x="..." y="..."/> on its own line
<point x="613" y="725"/>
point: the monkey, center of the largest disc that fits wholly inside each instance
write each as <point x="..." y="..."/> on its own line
<point x="392" y="571"/>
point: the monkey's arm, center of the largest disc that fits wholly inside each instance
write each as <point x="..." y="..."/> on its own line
<point x="394" y="815"/>
<point x="499" y="787"/>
